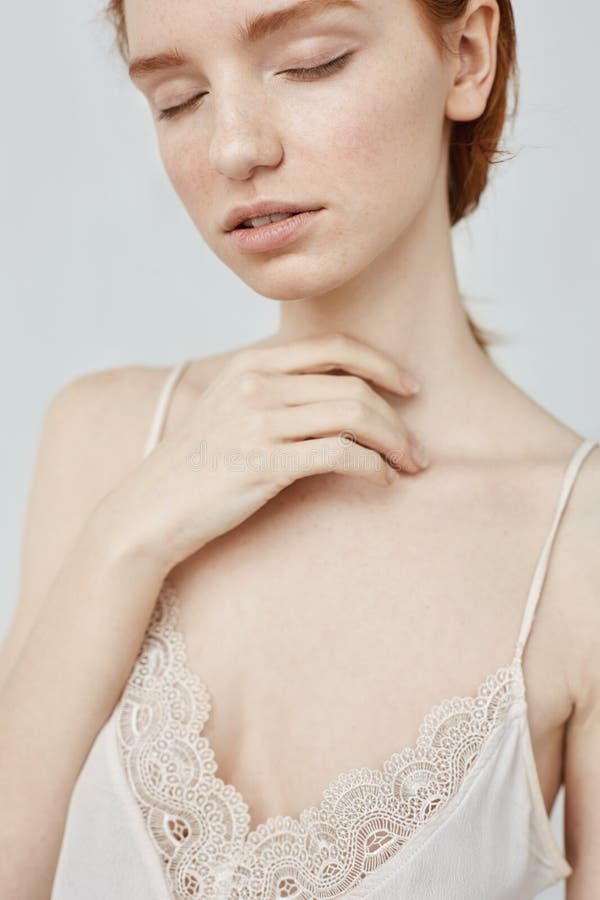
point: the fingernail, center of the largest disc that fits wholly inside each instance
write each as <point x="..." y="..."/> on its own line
<point x="411" y="385"/>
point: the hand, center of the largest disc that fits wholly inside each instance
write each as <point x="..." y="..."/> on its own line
<point x="271" y="416"/>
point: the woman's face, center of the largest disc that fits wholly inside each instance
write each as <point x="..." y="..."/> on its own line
<point x="367" y="141"/>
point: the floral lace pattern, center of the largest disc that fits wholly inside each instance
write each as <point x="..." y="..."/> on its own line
<point x="200" y="826"/>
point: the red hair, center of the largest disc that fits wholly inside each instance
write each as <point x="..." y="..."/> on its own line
<point x="475" y="145"/>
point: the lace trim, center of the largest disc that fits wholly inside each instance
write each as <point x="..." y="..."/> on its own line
<point x="200" y="826"/>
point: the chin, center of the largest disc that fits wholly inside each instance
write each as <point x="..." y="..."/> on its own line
<point x="295" y="273"/>
<point x="289" y="279"/>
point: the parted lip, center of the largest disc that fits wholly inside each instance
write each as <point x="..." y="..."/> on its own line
<point x="262" y="208"/>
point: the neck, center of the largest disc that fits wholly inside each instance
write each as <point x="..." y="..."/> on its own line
<point x="407" y="304"/>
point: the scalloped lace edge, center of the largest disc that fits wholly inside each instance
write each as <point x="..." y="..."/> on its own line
<point x="199" y="825"/>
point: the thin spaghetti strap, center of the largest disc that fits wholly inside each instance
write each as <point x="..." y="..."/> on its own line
<point x="540" y="571"/>
<point x="162" y="406"/>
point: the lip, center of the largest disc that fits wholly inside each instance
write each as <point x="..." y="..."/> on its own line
<point x="263" y="208"/>
<point x="275" y="234"/>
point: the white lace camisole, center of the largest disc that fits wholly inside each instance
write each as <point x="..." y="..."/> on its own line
<point x="458" y="816"/>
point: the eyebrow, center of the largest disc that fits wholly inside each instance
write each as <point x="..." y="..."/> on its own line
<point x="253" y="30"/>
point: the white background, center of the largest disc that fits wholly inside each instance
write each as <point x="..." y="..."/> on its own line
<point x="101" y="266"/>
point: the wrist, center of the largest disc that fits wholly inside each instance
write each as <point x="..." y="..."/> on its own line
<point x="113" y="534"/>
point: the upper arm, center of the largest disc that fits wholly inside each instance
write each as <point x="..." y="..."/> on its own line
<point x="582" y="794"/>
<point x="91" y="433"/>
<point x="582" y="748"/>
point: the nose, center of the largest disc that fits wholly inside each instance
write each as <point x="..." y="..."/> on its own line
<point x="245" y="136"/>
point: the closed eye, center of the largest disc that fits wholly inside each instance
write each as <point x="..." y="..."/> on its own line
<point x="317" y="71"/>
<point x="300" y="74"/>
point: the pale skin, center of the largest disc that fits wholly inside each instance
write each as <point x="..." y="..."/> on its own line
<point x="369" y="296"/>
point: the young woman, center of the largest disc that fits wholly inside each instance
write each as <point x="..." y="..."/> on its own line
<point x="233" y="673"/>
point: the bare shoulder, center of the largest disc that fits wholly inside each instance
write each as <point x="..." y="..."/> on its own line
<point x="91" y="434"/>
<point x="579" y="581"/>
<point x="105" y="416"/>
<point x="95" y="428"/>
<point x="582" y="625"/>
<point x="115" y="408"/>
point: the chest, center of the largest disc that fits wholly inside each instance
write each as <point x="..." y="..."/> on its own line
<point x="330" y="623"/>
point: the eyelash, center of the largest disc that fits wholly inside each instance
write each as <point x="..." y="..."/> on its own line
<point x="301" y="74"/>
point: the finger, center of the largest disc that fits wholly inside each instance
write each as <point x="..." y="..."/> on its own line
<point x="272" y="390"/>
<point x="321" y="455"/>
<point x="350" y="420"/>
<point x="331" y="352"/>
<point x="292" y="390"/>
<point x="299" y="389"/>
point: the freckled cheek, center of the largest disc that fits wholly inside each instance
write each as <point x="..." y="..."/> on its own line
<point x="375" y="145"/>
<point x="379" y="142"/>
<point x="184" y="162"/>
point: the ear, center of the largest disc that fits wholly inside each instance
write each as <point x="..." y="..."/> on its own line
<point x="474" y="60"/>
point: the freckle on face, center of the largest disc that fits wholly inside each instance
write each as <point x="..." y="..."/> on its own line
<point x="368" y="150"/>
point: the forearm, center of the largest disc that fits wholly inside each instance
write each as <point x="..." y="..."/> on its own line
<point x="59" y="693"/>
